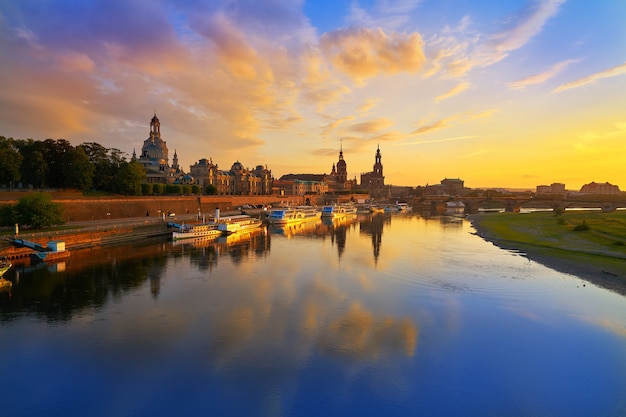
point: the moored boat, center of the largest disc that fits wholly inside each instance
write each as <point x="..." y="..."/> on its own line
<point x="288" y="215"/>
<point x="338" y="210"/>
<point x="238" y="223"/>
<point x="5" y="265"/>
<point x="199" y="231"/>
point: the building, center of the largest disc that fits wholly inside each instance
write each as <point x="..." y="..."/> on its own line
<point x="237" y="181"/>
<point x="154" y="157"/>
<point x="338" y="178"/>
<point x="595" y="188"/>
<point x="374" y="182"/>
<point x="554" y="188"/>
<point x="301" y="184"/>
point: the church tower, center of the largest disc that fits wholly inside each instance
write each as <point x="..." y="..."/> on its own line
<point x="342" y="170"/>
<point x="378" y="166"/>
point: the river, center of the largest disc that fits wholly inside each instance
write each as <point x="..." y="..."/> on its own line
<point x="383" y="315"/>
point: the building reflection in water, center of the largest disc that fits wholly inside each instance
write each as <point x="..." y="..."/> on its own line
<point x="373" y="225"/>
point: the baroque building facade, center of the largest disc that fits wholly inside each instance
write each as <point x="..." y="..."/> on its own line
<point x="374" y="181"/>
<point x="154" y="157"/>
<point x="236" y="181"/>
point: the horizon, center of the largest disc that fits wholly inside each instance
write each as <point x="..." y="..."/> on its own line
<point x="510" y="94"/>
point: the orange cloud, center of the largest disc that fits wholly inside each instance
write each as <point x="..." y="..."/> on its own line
<point x="362" y="53"/>
<point x="541" y="77"/>
<point x="457" y="89"/>
<point x="371" y="126"/>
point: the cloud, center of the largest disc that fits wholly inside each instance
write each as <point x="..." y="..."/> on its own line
<point x="73" y="61"/>
<point x="439" y="124"/>
<point x="367" y="105"/>
<point x="457" y="89"/>
<point x="541" y="77"/>
<point x="371" y="126"/>
<point x="525" y="25"/>
<point x="611" y="72"/>
<point x="451" y="139"/>
<point x="388" y="14"/>
<point x="456" y="51"/>
<point x="362" y="53"/>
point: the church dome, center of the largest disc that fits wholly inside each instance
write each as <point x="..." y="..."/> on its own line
<point x="237" y="166"/>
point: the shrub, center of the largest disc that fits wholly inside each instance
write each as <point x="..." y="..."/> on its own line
<point x="581" y="227"/>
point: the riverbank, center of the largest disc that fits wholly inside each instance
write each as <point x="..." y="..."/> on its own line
<point x="589" y="244"/>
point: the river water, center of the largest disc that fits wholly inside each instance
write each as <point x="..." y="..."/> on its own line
<point x="384" y="315"/>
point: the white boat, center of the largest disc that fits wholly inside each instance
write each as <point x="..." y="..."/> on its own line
<point x="288" y="215"/>
<point x="398" y="208"/>
<point x="336" y="211"/>
<point x="238" y="223"/>
<point x="310" y="212"/>
<point x="200" y="231"/>
<point x="5" y="265"/>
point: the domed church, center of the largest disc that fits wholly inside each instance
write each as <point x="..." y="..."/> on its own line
<point x="154" y="157"/>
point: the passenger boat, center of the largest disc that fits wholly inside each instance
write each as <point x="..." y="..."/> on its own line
<point x="398" y="208"/>
<point x="238" y="223"/>
<point x="338" y="210"/>
<point x="204" y="231"/>
<point x="5" y="265"/>
<point x="287" y="215"/>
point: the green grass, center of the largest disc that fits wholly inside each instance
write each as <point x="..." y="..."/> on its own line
<point x="587" y="232"/>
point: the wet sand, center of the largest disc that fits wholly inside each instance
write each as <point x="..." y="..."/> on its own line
<point x="606" y="272"/>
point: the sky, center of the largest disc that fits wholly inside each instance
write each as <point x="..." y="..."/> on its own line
<point x="498" y="93"/>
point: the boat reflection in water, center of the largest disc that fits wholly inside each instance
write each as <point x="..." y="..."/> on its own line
<point x="419" y="315"/>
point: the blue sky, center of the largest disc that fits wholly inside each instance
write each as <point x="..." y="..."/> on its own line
<point x="498" y="93"/>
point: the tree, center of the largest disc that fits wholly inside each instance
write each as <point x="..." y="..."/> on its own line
<point x="34" y="169"/>
<point x="210" y="189"/>
<point x="10" y="161"/>
<point x="8" y="216"/>
<point x="106" y="163"/>
<point x="38" y="210"/>
<point x="77" y="169"/>
<point x="54" y="152"/>
<point x="129" y="178"/>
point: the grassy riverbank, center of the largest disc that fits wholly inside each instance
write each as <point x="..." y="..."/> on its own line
<point x="590" y="244"/>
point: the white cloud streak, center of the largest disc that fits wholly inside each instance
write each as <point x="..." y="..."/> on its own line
<point x="611" y="72"/>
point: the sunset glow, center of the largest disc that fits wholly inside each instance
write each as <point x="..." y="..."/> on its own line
<point x="499" y="94"/>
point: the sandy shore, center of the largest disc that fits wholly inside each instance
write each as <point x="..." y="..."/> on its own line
<point x="605" y="272"/>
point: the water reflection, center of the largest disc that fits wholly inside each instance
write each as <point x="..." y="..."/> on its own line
<point x="418" y="311"/>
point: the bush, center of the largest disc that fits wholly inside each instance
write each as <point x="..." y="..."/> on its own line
<point x="147" y="189"/>
<point x="582" y="227"/>
<point x="159" y="189"/>
<point x="37" y="210"/>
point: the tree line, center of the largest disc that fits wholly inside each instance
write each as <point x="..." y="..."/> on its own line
<point x="57" y="164"/>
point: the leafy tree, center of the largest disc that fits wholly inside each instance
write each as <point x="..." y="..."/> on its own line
<point x="8" y="216"/>
<point x="129" y="178"/>
<point x="55" y="154"/>
<point x="38" y="210"/>
<point x="210" y="189"/>
<point x="34" y="168"/>
<point x="106" y="163"/>
<point x="195" y="189"/>
<point x="10" y="161"/>
<point x="77" y="169"/>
